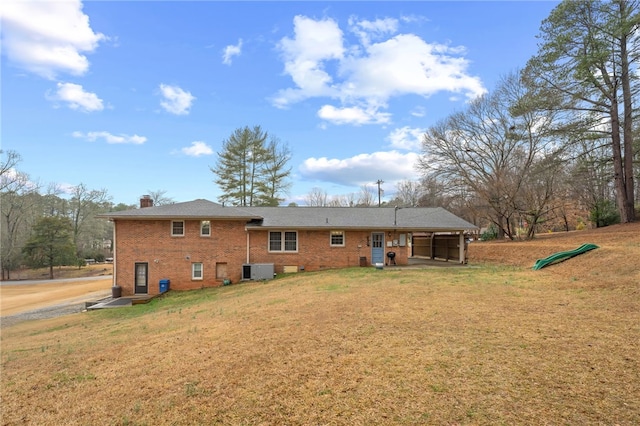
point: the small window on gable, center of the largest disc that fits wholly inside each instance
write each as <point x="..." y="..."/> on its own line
<point x="205" y="228"/>
<point x="177" y="228"/>
<point x="337" y="238"/>
<point x="196" y="271"/>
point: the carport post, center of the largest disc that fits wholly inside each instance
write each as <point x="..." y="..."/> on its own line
<point x="461" y="246"/>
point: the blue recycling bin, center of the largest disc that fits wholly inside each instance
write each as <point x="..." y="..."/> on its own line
<point x="164" y="285"/>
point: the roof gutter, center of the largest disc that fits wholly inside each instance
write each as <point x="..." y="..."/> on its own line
<point x="360" y="228"/>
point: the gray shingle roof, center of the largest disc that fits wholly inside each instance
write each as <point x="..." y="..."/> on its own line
<point x="197" y="209"/>
<point x="409" y="218"/>
<point x="360" y="217"/>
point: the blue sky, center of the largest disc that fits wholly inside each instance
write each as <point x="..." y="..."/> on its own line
<point x="138" y="96"/>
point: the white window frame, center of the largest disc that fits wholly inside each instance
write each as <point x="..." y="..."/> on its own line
<point x="336" y="233"/>
<point x="194" y="270"/>
<point x="173" y="229"/>
<point x="202" y="226"/>
<point x="283" y="242"/>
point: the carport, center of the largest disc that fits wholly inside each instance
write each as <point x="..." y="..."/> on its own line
<point x="439" y="246"/>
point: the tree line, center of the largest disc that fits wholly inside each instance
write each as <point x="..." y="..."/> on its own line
<point x="558" y="135"/>
<point x="554" y="142"/>
<point x="41" y="228"/>
<point x="553" y="145"/>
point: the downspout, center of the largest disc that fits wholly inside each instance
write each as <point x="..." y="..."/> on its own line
<point x="247" y="231"/>
<point x="115" y="261"/>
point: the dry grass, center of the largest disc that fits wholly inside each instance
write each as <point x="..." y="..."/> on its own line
<point x="63" y="272"/>
<point x="615" y="263"/>
<point x="485" y="344"/>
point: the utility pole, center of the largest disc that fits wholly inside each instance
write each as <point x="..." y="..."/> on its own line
<point x="379" y="182"/>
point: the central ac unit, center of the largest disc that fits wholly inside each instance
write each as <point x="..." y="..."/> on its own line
<point x="257" y="271"/>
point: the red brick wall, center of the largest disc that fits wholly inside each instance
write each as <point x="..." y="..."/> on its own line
<point x="315" y="251"/>
<point x="171" y="257"/>
<point x="168" y="257"/>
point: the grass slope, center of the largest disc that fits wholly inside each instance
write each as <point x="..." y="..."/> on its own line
<point x="486" y="344"/>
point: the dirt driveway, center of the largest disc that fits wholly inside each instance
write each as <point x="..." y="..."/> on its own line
<point x="20" y="297"/>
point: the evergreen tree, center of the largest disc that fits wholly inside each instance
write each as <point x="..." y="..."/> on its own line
<point x="274" y="172"/>
<point x="250" y="171"/>
<point x="584" y="67"/>
<point x="51" y="244"/>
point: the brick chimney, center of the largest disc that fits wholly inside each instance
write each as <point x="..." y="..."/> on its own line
<point x="146" y="201"/>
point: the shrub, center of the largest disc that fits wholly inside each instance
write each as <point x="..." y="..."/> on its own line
<point x="490" y="234"/>
<point x="604" y="213"/>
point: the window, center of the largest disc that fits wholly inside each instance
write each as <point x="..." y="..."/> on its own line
<point x="337" y="238"/>
<point x="290" y="241"/>
<point x="283" y="241"/>
<point x="205" y="228"/>
<point x="196" y="271"/>
<point x="177" y="228"/>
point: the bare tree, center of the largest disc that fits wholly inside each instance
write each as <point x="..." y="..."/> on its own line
<point x="317" y="197"/>
<point x="537" y="194"/>
<point x="8" y="162"/>
<point x="339" y="201"/>
<point x="83" y="207"/>
<point x="160" y="198"/>
<point x="366" y="196"/>
<point x="490" y="149"/>
<point x="18" y="214"/>
<point x="408" y="194"/>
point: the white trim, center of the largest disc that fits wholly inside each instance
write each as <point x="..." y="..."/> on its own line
<point x="193" y="277"/>
<point x="282" y="241"/>
<point x="344" y="238"/>
<point x="205" y="235"/>
<point x="184" y="231"/>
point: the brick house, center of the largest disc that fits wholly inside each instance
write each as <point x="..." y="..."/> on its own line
<point x="203" y="244"/>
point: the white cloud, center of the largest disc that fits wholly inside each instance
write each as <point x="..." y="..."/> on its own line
<point x="48" y="37"/>
<point x="365" y="75"/>
<point x="176" y="101"/>
<point x="110" y="138"/>
<point x="230" y="51"/>
<point x="368" y="30"/>
<point x="352" y="115"/>
<point x="76" y="98"/>
<point x="197" y="149"/>
<point x="407" y="138"/>
<point x="304" y="58"/>
<point x="418" y="111"/>
<point x="362" y="169"/>
<point x="406" y="64"/>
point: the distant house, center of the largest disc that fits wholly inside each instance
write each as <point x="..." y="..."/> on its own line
<point x="203" y="244"/>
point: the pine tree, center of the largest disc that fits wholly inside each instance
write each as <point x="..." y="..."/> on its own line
<point x="583" y="67"/>
<point x="51" y="244"/>
<point x="250" y="171"/>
